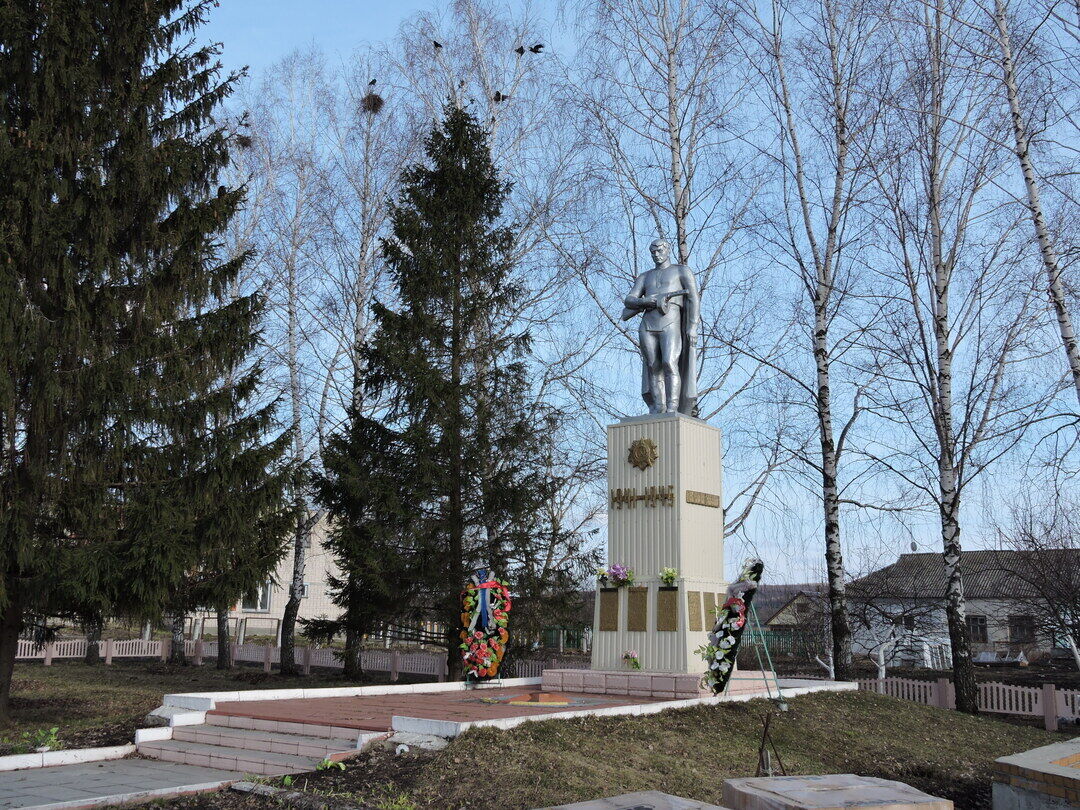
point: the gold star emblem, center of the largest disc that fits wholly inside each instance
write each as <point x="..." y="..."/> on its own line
<point x="642" y="453"/>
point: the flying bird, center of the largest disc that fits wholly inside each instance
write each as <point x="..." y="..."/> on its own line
<point x="371" y="83"/>
<point x="520" y="50"/>
<point x="539" y="46"/>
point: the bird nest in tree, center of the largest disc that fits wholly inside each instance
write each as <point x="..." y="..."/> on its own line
<point x="372" y="103"/>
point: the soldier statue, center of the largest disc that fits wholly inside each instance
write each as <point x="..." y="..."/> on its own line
<point x="667" y="298"/>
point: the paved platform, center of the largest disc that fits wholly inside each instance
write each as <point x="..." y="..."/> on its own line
<point x="97" y="784"/>
<point x="375" y="712"/>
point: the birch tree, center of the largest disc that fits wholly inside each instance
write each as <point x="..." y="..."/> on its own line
<point x="817" y="224"/>
<point x="956" y="354"/>
<point x="287" y="136"/>
<point x="1021" y="128"/>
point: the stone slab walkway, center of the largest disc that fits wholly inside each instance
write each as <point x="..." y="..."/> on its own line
<point x="96" y="784"/>
<point x="374" y="712"/>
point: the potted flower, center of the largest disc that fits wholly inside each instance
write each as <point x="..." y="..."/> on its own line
<point x="602" y="576"/>
<point x="668" y="577"/>
<point x="631" y="659"/>
<point x="620" y="575"/>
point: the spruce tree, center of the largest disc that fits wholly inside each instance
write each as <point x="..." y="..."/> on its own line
<point x="119" y="436"/>
<point x="369" y="521"/>
<point x="450" y="363"/>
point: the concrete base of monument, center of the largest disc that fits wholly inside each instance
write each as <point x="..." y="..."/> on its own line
<point x="656" y="685"/>
<point x="362" y="715"/>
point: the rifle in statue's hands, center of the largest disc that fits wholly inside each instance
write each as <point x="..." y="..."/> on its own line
<point x="660" y="304"/>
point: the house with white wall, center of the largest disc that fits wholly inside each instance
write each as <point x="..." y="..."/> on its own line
<point x="901" y="607"/>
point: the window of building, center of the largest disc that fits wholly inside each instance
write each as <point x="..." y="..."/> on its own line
<point x="259" y="599"/>
<point x="907" y="622"/>
<point x="1021" y="628"/>
<point x="976" y="627"/>
<point x="304" y="594"/>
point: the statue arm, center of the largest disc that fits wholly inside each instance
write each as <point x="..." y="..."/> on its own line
<point x="692" y="301"/>
<point x="635" y="302"/>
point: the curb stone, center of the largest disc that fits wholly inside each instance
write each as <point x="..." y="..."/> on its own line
<point x="297" y="798"/>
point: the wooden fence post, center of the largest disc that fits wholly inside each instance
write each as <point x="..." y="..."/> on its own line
<point x="307" y="660"/>
<point x="941" y="693"/>
<point x="1049" y="706"/>
<point x="109" y="649"/>
<point x="198" y="652"/>
<point x="266" y="658"/>
<point x="395" y="663"/>
<point x="444" y="669"/>
<point x="163" y="648"/>
<point x="50" y="651"/>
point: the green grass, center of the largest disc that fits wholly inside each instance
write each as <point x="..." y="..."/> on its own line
<point x="103" y="705"/>
<point x="690" y="752"/>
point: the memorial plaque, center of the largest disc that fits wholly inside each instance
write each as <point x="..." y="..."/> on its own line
<point x="667" y="609"/>
<point x="637" y="610"/>
<point x="702" y="498"/>
<point x="693" y="607"/>
<point x="710" y="606"/>
<point x="609" y="609"/>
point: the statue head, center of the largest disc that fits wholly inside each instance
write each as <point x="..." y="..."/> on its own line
<point x="660" y="249"/>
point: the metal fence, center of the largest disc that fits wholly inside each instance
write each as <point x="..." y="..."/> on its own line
<point x="1047" y="701"/>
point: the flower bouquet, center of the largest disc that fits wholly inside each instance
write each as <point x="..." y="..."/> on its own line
<point x="631" y="659"/>
<point x="668" y="576"/>
<point x="620" y="575"/>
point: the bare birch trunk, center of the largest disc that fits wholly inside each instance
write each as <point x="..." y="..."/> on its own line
<point x="296" y="586"/>
<point x="1042" y="232"/>
<point x="823" y="268"/>
<point x="942" y="396"/>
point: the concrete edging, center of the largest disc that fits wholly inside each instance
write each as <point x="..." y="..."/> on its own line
<point x="138" y="796"/>
<point x="449" y="728"/>
<point x="76" y="756"/>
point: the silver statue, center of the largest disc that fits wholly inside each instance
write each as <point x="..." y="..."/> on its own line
<point x="667" y="297"/>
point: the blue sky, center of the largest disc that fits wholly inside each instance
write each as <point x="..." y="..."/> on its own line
<point x="258" y="32"/>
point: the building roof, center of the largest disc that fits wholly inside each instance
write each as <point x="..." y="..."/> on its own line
<point x="771" y="597"/>
<point x="991" y="574"/>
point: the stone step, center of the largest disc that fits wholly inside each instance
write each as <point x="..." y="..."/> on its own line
<point x="269" y="741"/>
<point x="306" y="729"/>
<point x="227" y="758"/>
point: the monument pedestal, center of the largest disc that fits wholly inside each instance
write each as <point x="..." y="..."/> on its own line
<point x="664" y="511"/>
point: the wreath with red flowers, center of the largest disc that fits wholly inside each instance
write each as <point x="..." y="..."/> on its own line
<point x="483" y="648"/>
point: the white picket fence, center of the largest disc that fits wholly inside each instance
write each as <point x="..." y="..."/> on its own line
<point x="394" y="662"/>
<point x="391" y="661"/>
<point x="1047" y="701"/>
